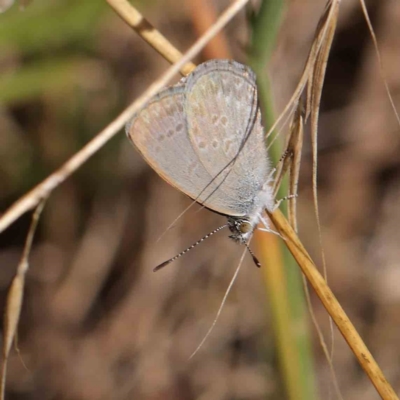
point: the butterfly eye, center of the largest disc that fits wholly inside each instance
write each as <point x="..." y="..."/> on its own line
<point x="245" y="227"/>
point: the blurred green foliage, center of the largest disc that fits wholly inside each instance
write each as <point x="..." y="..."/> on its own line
<point x="40" y="41"/>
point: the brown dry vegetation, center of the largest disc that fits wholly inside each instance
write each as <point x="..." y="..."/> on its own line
<point x="96" y="322"/>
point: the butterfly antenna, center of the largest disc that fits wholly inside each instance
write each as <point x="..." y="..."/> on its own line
<point x="255" y="259"/>
<point x="165" y="263"/>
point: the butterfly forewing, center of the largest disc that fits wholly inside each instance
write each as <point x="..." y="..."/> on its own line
<point x="224" y="124"/>
<point x="159" y="131"/>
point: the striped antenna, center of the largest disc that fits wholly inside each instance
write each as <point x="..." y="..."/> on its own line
<point x="165" y="263"/>
<point x="255" y="259"/>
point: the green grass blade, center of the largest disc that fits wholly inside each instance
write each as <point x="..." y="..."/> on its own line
<point x="283" y="280"/>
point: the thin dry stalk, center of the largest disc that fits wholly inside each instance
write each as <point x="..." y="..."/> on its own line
<point x="33" y="197"/>
<point x="327" y="353"/>
<point x="151" y="35"/>
<point x="378" y="55"/>
<point x="314" y="92"/>
<point x="292" y="151"/>
<point x="333" y="307"/>
<point x="316" y="83"/>
<point x="308" y="68"/>
<point x="296" y="147"/>
<point x="291" y="163"/>
<point x="15" y="296"/>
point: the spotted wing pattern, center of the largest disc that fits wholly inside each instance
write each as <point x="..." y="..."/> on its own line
<point x="159" y="132"/>
<point x="224" y="124"/>
<point x="204" y="137"/>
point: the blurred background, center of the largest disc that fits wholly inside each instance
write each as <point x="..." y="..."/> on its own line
<point x="96" y="321"/>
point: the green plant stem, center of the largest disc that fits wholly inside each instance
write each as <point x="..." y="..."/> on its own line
<point x="283" y="281"/>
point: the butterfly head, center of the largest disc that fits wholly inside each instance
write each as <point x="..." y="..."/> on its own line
<point x="242" y="228"/>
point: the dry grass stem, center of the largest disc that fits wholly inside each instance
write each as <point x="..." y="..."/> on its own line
<point x="306" y="75"/>
<point x="316" y="83"/>
<point x="295" y="146"/>
<point x="290" y="161"/>
<point x="151" y="35"/>
<point x="328" y="354"/>
<point x="333" y="307"/>
<point x="15" y="296"/>
<point x="43" y="189"/>
<point x="378" y="55"/>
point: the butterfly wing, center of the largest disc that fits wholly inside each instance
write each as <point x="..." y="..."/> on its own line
<point x="224" y="125"/>
<point x="159" y="132"/>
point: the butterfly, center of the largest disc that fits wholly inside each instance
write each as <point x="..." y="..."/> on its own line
<point x="204" y="136"/>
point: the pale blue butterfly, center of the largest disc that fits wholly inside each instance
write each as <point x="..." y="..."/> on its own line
<point x="204" y="136"/>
